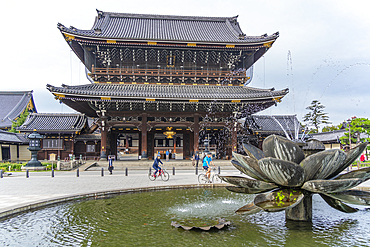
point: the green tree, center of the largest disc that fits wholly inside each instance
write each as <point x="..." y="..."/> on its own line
<point x="20" y="120"/>
<point x="354" y="130"/>
<point x="332" y="127"/>
<point x="316" y="115"/>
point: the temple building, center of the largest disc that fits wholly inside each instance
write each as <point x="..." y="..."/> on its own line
<point x="163" y="82"/>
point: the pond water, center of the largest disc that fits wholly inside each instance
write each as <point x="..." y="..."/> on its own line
<point x="143" y="219"/>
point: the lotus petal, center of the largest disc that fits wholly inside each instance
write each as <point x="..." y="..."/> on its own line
<point x="253" y="186"/>
<point x="248" y="209"/>
<point x="357" y="197"/>
<point x="281" y="148"/>
<point x="363" y="173"/>
<point x="338" y="205"/>
<point x="352" y="155"/>
<point x="278" y="200"/>
<point x="322" y="164"/>
<point x="251" y="165"/>
<point x="243" y="169"/>
<point x="253" y="151"/>
<point x="331" y="186"/>
<point x="284" y="173"/>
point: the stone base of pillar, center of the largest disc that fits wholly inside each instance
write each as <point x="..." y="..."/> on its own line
<point x="301" y="212"/>
<point x="103" y="155"/>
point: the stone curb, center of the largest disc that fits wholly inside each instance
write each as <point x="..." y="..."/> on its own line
<point x="10" y="211"/>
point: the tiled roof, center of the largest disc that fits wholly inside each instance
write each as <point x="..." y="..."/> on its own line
<point x="182" y="92"/>
<point x="9" y="138"/>
<point x="272" y="124"/>
<point x="167" y="28"/>
<point x="332" y="136"/>
<point x="88" y="137"/>
<point x="53" y="122"/>
<point x="12" y="105"/>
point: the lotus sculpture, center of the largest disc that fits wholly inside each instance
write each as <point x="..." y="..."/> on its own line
<point x="285" y="180"/>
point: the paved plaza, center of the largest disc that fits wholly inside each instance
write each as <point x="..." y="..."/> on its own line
<point x="19" y="193"/>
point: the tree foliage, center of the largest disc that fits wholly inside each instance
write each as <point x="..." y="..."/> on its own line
<point x="20" y="120"/>
<point x="332" y="127"/>
<point x="354" y="130"/>
<point x="316" y="115"/>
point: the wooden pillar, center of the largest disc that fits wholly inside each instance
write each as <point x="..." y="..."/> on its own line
<point x="104" y="132"/>
<point x="196" y="133"/>
<point x="144" y="139"/>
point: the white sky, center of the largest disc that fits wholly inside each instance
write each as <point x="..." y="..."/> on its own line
<point x="329" y="43"/>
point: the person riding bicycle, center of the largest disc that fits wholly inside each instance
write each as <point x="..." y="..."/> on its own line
<point x="207" y="161"/>
<point x="156" y="164"/>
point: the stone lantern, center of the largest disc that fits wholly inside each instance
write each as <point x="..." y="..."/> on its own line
<point x="34" y="147"/>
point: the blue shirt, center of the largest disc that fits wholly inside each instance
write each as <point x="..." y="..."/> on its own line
<point x="156" y="162"/>
<point x="207" y="161"/>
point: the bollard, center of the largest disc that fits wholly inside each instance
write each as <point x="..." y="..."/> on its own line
<point x="78" y="172"/>
<point x="219" y="170"/>
<point x="102" y="172"/>
<point x="52" y="172"/>
<point x="27" y="174"/>
<point x="1" y="173"/>
<point x="196" y="170"/>
<point x="150" y="170"/>
<point x="126" y="171"/>
<point x="173" y="171"/>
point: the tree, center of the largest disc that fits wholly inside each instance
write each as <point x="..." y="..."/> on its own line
<point x="354" y="130"/>
<point x="20" y="120"/>
<point x="316" y="116"/>
<point x="332" y="127"/>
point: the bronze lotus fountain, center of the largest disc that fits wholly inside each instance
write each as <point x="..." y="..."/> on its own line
<point x="285" y="180"/>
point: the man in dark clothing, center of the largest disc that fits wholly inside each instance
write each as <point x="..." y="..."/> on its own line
<point x="156" y="164"/>
<point x="197" y="158"/>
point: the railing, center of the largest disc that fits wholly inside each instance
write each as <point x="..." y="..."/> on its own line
<point x="207" y="75"/>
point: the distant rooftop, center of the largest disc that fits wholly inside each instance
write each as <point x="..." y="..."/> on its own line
<point x="54" y="123"/>
<point x="12" y="138"/>
<point x="272" y="124"/>
<point x="13" y="103"/>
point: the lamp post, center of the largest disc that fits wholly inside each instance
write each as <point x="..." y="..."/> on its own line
<point x="34" y="147"/>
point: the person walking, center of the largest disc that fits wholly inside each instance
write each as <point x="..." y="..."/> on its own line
<point x="167" y="156"/>
<point x="110" y="165"/>
<point x="197" y="159"/>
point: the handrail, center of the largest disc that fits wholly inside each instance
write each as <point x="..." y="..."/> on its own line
<point x="168" y="72"/>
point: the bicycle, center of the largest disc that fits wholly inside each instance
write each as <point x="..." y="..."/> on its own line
<point x="214" y="178"/>
<point x="162" y="173"/>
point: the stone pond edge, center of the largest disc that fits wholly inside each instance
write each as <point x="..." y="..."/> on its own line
<point x="22" y="208"/>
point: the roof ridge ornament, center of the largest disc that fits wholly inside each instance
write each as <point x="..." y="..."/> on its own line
<point x="100" y="13"/>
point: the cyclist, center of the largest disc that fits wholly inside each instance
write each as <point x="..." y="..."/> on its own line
<point x="156" y="164"/>
<point x="207" y="161"/>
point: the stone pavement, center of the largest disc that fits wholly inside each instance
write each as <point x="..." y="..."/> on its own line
<point x="18" y="193"/>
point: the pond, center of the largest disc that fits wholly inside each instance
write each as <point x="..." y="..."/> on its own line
<point x="144" y="219"/>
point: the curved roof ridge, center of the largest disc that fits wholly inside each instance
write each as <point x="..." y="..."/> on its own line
<point x="164" y="17"/>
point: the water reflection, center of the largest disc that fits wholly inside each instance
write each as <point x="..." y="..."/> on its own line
<point x="144" y="219"/>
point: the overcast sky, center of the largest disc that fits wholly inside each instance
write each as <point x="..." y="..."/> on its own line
<point x="323" y="51"/>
